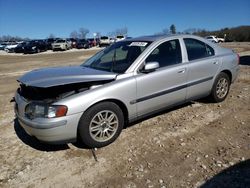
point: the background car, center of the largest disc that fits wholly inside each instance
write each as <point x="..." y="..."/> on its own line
<point x="104" y="41"/>
<point x="61" y="44"/>
<point x="35" y="46"/>
<point x="119" y="38"/>
<point x="49" y="42"/>
<point x="220" y="40"/>
<point x="10" y="47"/>
<point x="20" y="47"/>
<point x="92" y="42"/>
<point x="3" y="45"/>
<point x="82" y="43"/>
<point x="212" y="39"/>
<point x="73" y="42"/>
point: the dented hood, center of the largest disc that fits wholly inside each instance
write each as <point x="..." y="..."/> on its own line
<point x="49" y="77"/>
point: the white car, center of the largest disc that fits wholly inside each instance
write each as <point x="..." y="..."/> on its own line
<point x="61" y="44"/>
<point x="104" y="41"/>
<point x="212" y="39"/>
<point x="220" y="39"/>
<point x="10" y="47"/>
<point x="119" y="38"/>
<point x="215" y="39"/>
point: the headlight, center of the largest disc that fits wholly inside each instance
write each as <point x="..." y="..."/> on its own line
<point x="33" y="47"/>
<point x="37" y="110"/>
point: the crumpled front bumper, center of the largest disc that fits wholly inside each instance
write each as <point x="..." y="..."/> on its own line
<point x="51" y="130"/>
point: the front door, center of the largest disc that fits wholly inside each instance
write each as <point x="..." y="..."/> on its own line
<point x="166" y="85"/>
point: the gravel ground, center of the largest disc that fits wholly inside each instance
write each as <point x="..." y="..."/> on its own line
<point x="199" y="144"/>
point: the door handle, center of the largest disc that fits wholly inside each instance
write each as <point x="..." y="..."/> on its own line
<point x="181" y="71"/>
<point x="216" y="63"/>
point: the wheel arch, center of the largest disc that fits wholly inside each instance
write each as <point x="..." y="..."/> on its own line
<point x="228" y="72"/>
<point x="121" y="105"/>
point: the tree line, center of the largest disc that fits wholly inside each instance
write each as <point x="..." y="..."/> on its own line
<point x="81" y="33"/>
<point x="240" y="34"/>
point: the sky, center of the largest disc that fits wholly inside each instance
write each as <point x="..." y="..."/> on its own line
<point x="40" y="18"/>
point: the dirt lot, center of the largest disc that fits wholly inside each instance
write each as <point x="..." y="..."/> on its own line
<point x="197" y="144"/>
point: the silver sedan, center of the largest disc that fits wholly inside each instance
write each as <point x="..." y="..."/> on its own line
<point x="124" y="82"/>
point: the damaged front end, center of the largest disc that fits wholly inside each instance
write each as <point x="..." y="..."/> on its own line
<point x="53" y="84"/>
<point x="40" y="100"/>
<point x="55" y="93"/>
<point x="41" y="89"/>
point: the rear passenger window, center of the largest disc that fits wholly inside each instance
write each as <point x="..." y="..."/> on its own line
<point x="167" y="53"/>
<point x="197" y="49"/>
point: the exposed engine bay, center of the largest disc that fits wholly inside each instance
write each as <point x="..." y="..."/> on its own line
<point x="55" y="93"/>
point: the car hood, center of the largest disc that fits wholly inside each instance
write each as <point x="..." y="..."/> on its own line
<point x="56" y="76"/>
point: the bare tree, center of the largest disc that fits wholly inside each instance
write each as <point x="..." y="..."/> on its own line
<point x="51" y="35"/>
<point x="73" y="34"/>
<point x="165" y="31"/>
<point x="122" y="31"/>
<point x="98" y="34"/>
<point x="112" y="34"/>
<point x="83" y="32"/>
<point x="190" y="30"/>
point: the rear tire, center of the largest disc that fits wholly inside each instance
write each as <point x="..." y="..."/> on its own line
<point x="220" y="88"/>
<point x="100" y="125"/>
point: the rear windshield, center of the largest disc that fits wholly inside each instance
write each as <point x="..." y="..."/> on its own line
<point x="104" y="38"/>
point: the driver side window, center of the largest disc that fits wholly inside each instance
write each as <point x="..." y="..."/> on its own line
<point x="166" y="54"/>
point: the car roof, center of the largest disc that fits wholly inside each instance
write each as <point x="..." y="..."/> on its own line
<point x="153" y="38"/>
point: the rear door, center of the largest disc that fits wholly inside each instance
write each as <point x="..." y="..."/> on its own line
<point x="202" y="66"/>
<point x="166" y="85"/>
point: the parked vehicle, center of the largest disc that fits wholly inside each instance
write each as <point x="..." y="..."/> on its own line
<point x="61" y="44"/>
<point x="35" y="46"/>
<point x="111" y="40"/>
<point x="73" y="42"/>
<point x="215" y="39"/>
<point x="220" y="40"/>
<point x="129" y="80"/>
<point x="82" y="43"/>
<point x="119" y="38"/>
<point x="49" y="42"/>
<point x="10" y="47"/>
<point x="104" y="41"/>
<point x="92" y="42"/>
<point x="20" y="47"/>
<point x="3" y="45"/>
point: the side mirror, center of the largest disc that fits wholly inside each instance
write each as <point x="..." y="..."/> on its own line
<point x="150" y="67"/>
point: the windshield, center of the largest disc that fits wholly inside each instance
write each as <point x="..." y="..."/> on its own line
<point x="60" y="41"/>
<point x="118" y="57"/>
<point x="119" y="37"/>
<point x="104" y="38"/>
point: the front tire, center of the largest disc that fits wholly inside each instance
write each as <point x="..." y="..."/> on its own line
<point x="220" y="88"/>
<point x="100" y="125"/>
